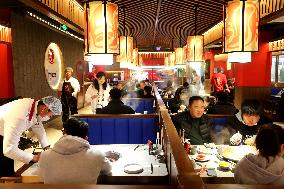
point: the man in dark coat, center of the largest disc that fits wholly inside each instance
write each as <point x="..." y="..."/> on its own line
<point x="197" y="126"/>
<point x="116" y="106"/>
<point x="223" y="106"/>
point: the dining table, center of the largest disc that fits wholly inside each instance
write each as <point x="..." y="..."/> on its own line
<point x="209" y="168"/>
<point x="150" y="164"/>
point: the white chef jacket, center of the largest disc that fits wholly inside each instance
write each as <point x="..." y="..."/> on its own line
<point x="74" y="83"/>
<point x="14" y="120"/>
<point x="102" y="99"/>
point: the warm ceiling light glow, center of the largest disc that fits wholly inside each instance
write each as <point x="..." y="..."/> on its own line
<point x="100" y="39"/>
<point x="239" y="57"/>
<point x="166" y="62"/>
<point x="221" y="57"/>
<point x="99" y="59"/>
<point x="241" y="26"/>
<point x="5" y="34"/>
<point x="135" y="57"/>
<point x="179" y="56"/>
<point x="195" y="48"/>
<point x="172" y="60"/>
<point x="153" y="67"/>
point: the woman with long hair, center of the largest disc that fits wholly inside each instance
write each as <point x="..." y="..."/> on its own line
<point x="98" y="93"/>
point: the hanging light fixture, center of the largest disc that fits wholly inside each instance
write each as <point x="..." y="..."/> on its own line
<point x="172" y="60"/>
<point x="241" y="29"/>
<point x="135" y="58"/>
<point x="166" y="62"/>
<point x="101" y="32"/>
<point x="125" y="47"/>
<point x="195" y="44"/>
<point x="179" y="52"/>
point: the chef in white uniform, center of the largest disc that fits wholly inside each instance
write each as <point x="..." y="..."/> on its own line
<point x="17" y="117"/>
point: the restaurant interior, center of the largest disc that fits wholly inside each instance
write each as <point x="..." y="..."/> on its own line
<point x="158" y="40"/>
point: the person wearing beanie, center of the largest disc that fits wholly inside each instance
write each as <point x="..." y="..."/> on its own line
<point x="15" y="118"/>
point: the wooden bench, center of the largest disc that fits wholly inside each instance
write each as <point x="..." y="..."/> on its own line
<point x="121" y="128"/>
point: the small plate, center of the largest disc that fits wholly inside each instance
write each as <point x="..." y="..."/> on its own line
<point x="133" y="168"/>
<point x="206" y="158"/>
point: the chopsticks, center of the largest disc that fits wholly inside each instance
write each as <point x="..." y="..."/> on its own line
<point x="136" y="147"/>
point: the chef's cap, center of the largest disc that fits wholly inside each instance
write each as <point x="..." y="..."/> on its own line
<point x="53" y="104"/>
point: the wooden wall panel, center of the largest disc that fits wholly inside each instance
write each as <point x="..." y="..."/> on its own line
<point x="30" y="40"/>
<point x="242" y="93"/>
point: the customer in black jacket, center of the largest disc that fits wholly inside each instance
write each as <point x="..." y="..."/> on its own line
<point x="244" y="126"/>
<point x="222" y="106"/>
<point x="196" y="124"/>
<point x="116" y="106"/>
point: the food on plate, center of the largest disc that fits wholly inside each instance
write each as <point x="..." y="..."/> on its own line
<point x="201" y="157"/>
<point x="112" y="155"/>
<point x="236" y="153"/>
<point x="224" y="165"/>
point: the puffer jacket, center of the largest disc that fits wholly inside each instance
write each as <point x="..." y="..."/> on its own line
<point x="183" y="120"/>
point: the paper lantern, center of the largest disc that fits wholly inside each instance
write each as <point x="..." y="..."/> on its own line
<point x="101" y="28"/>
<point x="195" y="48"/>
<point x="241" y="26"/>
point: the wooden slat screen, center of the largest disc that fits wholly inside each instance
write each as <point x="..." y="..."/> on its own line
<point x="70" y="9"/>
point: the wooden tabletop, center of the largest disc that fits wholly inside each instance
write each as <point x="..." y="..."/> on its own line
<point x="57" y="186"/>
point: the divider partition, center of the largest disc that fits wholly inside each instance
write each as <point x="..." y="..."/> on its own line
<point x="181" y="172"/>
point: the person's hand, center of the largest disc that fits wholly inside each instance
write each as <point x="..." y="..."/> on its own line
<point x="227" y="90"/>
<point x="250" y="141"/>
<point x="236" y="139"/>
<point x="36" y="158"/>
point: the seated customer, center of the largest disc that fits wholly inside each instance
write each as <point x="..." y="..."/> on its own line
<point x="244" y="125"/>
<point x="71" y="160"/>
<point x="174" y="103"/>
<point x="266" y="167"/>
<point x="147" y="92"/>
<point x="196" y="124"/>
<point x="222" y="106"/>
<point x="116" y="106"/>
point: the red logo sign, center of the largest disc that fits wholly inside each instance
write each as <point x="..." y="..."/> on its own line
<point x="51" y="56"/>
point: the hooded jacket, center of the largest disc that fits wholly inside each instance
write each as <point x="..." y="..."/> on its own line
<point x="72" y="161"/>
<point x="256" y="169"/>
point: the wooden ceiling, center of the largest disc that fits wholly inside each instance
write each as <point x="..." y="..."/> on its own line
<point x="157" y="22"/>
